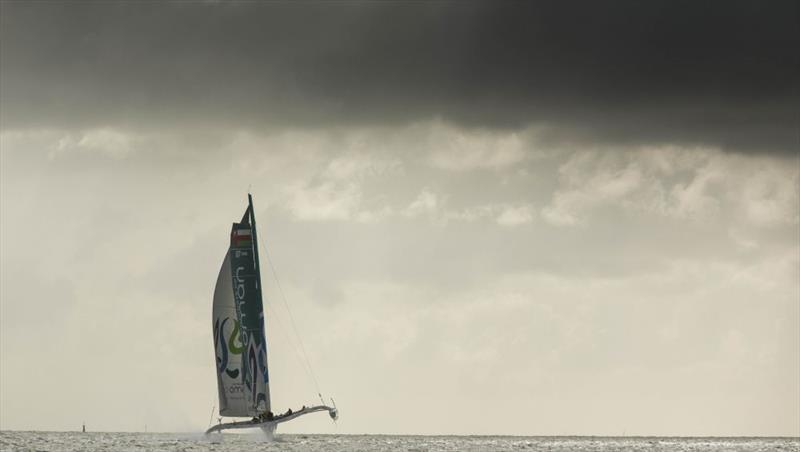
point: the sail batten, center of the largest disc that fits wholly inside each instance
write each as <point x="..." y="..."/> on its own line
<point x="240" y="344"/>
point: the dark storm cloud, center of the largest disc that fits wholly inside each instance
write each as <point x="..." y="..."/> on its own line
<point x="719" y="73"/>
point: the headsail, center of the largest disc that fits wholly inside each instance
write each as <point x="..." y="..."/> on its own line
<point x="240" y="345"/>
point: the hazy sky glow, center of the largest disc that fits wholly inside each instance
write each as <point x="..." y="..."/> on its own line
<point x="513" y="219"/>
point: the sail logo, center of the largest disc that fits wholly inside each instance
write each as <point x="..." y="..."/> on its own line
<point x="240" y="297"/>
<point x="239" y="292"/>
<point x="224" y="346"/>
<point x="241" y="238"/>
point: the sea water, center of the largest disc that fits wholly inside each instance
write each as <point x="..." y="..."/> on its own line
<point x="67" y="441"/>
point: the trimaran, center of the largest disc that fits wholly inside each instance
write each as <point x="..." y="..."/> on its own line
<point x="240" y="343"/>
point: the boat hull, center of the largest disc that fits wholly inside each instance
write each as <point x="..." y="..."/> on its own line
<point x="268" y="427"/>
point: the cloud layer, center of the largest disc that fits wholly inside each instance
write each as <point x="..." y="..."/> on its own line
<point x="718" y="74"/>
<point x="571" y="278"/>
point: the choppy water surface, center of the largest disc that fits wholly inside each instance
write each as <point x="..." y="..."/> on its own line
<point x="59" y="441"/>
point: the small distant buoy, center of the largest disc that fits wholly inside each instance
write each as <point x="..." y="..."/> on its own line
<point x="83" y="428"/>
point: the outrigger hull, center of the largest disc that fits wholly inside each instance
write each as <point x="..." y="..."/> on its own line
<point x="269" y="427"/>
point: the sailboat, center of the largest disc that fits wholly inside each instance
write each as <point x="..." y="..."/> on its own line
<point x="240" y="344"/>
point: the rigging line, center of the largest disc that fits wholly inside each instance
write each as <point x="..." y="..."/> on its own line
<point x="291" y="318"/>
<point x="273" y="314"/>
<point x="211" y="418"/>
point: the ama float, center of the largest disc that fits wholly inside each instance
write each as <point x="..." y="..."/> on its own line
<point x="240" y="343"/>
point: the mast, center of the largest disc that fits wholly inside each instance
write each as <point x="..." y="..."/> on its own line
<point x="259" y="289"/>
<point x="255" y="241"/>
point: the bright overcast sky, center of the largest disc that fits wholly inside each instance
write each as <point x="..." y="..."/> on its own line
<point x="487" y="218"/>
